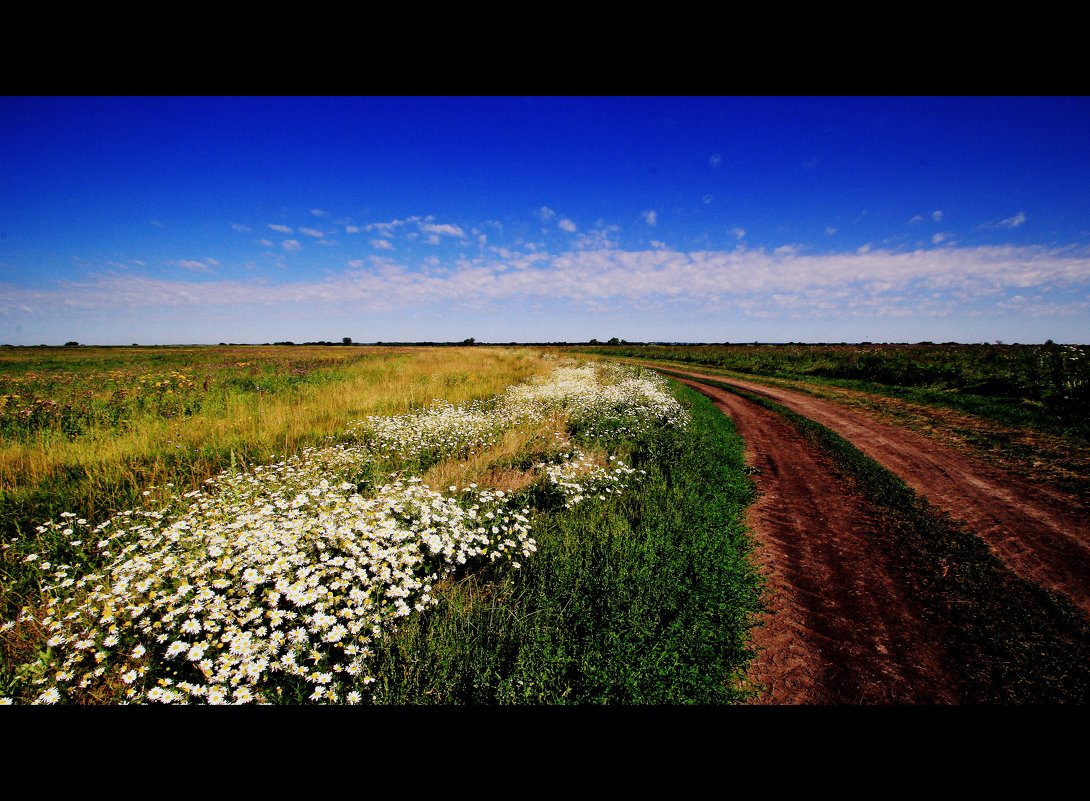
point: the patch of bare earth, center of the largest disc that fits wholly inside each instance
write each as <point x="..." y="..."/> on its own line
<point x="844" y="625"/>
<point x="847" y="623"/>
<point x="1042" y="534"/>
<point x="1037" y="457"/>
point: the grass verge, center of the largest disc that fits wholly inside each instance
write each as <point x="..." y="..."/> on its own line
<point x="647" y="597"/>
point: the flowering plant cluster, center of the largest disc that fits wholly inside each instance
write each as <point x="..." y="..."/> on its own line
<point x="279" y="579"/>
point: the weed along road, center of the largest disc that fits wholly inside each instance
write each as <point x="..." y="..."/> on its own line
<point x="850" y="622"/>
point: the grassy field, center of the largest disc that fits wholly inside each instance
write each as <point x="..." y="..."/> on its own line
<point x="88" y="430"/>
<point x="1025" y="408"/>
<point x="1046" y="386"/>
<point x="366" y="525"/>
<point x="466" y="525"/>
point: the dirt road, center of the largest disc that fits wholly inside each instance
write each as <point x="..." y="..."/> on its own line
<point x="846" y="628"/>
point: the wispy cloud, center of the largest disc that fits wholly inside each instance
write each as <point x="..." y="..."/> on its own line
<point x="829" y="230"/>
<point x="567" y="225"/>
<point x="284" y="229"/>
<point x="442" y="230"/>
<point x="715" y="160"/>
<point x="650" y="217"/>
<point x="938" y="238"/>
<point x="197" y="266"/>
<point x="291" y="245"/>
<point x="319" y="213"/>
<point x="157" y="224"/>
<point x="707" y="199"/>
<point x="387" y="228"/>
<point x="382" y="244"/>
<point x="242" y="229"/>
<point x="752" y="283"/>
<point x="311" y="232"/>
<point x="268" y="243"/>
<point x="545" y="213"/>
<point x="737" y="233"/>
<point x="351" y="229"/>
<point x="1013" y="222"/>
<point x="936" y="215"/>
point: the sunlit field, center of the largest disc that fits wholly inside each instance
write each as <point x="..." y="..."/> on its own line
<point x="314" y="525"/>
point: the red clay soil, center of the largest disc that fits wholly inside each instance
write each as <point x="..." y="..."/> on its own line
<point x="844" y="626"/>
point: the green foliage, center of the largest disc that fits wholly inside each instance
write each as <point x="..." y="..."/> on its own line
<point x="644" y="598"/>
<point x="1046" y="385"/>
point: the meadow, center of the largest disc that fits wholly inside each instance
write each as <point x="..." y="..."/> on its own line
<point x="1047" y="386"/>
<point x="1024" y="408"/>
<point x="366" y="525"/>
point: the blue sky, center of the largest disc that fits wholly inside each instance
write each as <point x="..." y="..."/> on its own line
<point x="528" y="219"/>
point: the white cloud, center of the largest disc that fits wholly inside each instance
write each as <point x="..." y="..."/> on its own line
<point x="444" y="230"/>
<point x="319" y="213"/>
<point x="195" y="266"/>
<point x="830" y="230"/>
<point x="382" y="244"/>
<point x="351" y="229"/>
<point x="916" y="219"/>
<point x="312" y="232"/>
<point x="291" y="244"/>
<point x="284" y="229"/>
<point x="567" y="225"/>
<point x="598" y="238"/>
<point x="1013" y="222"/>
<point x="650" y="217"/>
<point x="211" y="261"/>
<point x="936" y="215"/>
<point x="715" y="161"/>
<point x="737" y="233"/>
<point x="750" y="283"/>
<point x="545" y="213"/>
<point x="242" y="229"/>
<point x="433" y="239"/>
<point x="937" y="238"/>
<point x="387" y="228"/>
<point x="268" y="243"/>
<point x="657" y="245"/>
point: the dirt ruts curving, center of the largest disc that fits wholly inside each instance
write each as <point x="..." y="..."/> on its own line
<point x="845" y="626"/>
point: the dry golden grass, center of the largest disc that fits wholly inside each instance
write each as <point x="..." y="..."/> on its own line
<point x="254" y="427"/>
<point x="507" y="465"/>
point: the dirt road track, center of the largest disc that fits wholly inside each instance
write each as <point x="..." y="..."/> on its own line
<point x="1041" y="534"/>
<point x="846" y="625"/>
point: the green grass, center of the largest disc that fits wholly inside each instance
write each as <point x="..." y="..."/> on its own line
<point x="644" y="594"/>
<point x="1046" y="387"/>
<point x="1017" y="643"/>
<point x="646" y="598"/>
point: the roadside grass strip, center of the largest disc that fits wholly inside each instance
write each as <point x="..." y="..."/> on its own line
<point x="642" y="597"/>
<point x="276" y="583"/>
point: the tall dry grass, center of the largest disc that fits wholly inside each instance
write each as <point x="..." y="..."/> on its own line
<point x="264" y="417"/>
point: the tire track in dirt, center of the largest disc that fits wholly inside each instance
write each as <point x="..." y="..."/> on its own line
<point x="1041" y="534"/>
<point x="844" y="626"/>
